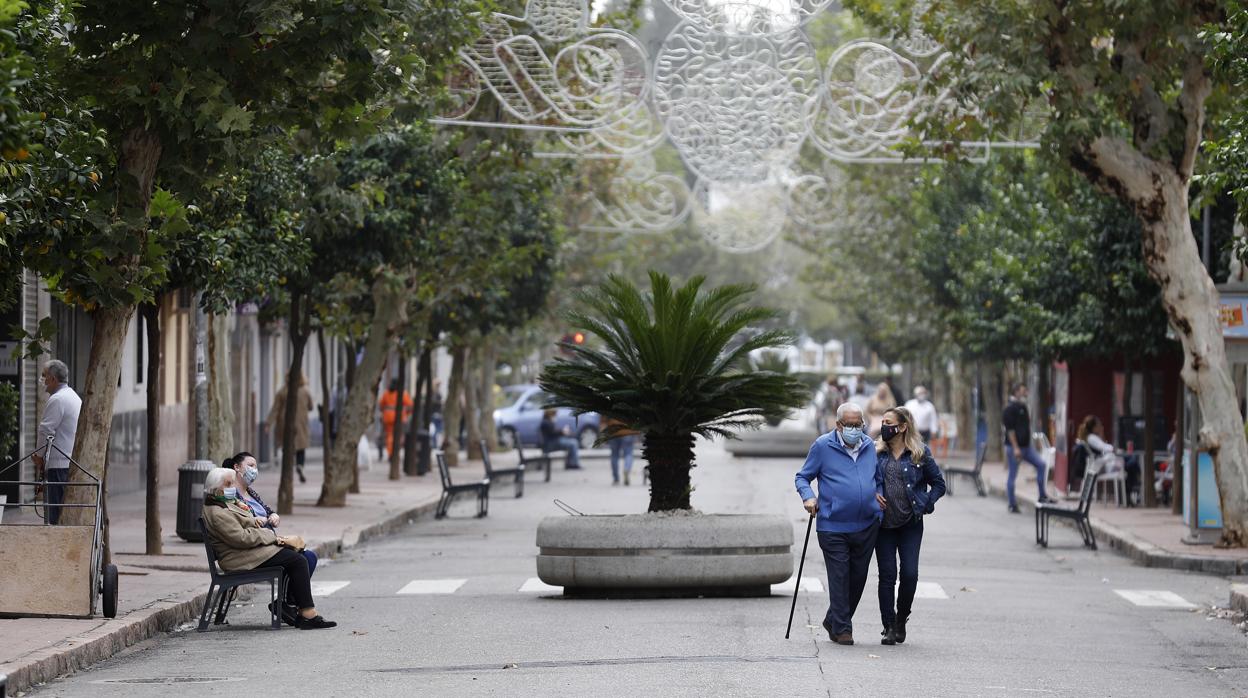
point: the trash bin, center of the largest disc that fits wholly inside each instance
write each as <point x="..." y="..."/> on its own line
<point x="191" y="475"/>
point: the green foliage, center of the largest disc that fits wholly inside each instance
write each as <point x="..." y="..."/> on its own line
<point x="672" y="361"/>
<point x="9" y="413"/>
<point x="771" y="361"/>
<point x="1228" y="148"/>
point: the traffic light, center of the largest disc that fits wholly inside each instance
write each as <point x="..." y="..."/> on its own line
<point x="577" y="338"/>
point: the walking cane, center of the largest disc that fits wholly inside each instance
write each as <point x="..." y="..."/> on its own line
<point x="797" y="581"/>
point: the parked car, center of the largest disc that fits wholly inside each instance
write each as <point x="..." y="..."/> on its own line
<point x="519" y="417"/>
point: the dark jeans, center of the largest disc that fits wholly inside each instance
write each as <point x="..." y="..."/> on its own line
<point x="56" y="492"/>
<point x="1131" y="465"/>
<point x="903" y="541"/>
<point x="848" y="558"/>
<point x="569" y="444"/>
<point x="298" y="578"/>
<point x="1028" y="454"/>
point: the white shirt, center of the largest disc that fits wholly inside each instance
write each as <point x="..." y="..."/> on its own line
<point x="60" y="421"/>
<point x="924" y="413"/>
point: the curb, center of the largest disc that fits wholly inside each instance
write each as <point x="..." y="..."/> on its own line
<point x="1145" y="553"/>
<point x="163" y="615"/>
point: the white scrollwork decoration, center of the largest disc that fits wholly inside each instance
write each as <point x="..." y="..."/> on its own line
<point x="640" y="200"/>
<point x="749" y="17"/>
<point x="739" y="217"/>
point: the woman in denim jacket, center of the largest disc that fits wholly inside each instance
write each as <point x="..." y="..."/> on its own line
<point x="912" y="484"/>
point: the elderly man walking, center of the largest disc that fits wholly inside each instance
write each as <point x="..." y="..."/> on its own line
<point x="60" y="422"/>
<point x="848" y="513"/>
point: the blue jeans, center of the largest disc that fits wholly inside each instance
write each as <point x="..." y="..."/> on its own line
<point x="569" y="444"/>
<point x="1029" y="454"/>
<point x="903" y="541"/>
<point x="848" y="559"/>
<point x="621" y="447"/>
<point x="311" y="558"/>
<point x="55" y="493"/>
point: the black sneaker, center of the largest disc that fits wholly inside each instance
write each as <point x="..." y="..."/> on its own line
<point x="1047" y="500"/>
<point x="315" y="623"/>
<point x="1014" y="509"/>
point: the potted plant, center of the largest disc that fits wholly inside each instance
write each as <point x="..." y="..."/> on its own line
<point x="672" y="364"/>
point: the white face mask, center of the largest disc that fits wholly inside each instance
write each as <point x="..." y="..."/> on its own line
<point x="230" y="493"/>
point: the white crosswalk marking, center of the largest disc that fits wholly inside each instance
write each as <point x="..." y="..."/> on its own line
<point x="810" y="585"/>
<point x="929" y="590"/>
<point x="1154" y="598"/>
<point x="432" y="586"/>
<point x="326" y="588"/>
<point x="533" y="584"/>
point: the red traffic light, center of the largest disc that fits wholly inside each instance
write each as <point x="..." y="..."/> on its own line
<point x="578" y="338"/>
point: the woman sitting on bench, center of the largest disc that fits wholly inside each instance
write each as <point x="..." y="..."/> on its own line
<point x="241" y="542"/>
<point x="245" y="473"/>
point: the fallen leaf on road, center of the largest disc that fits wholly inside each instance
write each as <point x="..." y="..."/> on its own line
<point x="967" y="589"/>
<point x="359" y="632"/>
<point x="509" y="665"/>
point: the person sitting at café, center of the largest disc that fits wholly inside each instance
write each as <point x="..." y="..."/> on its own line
<point x="1103" y="456"/>
<point x="241" y="542"/>
<point x="556" y="439"/>
<point x="246" y="471"/>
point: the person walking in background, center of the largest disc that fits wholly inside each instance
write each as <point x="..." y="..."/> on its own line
<point x="1016" y="420"/>
<point x="435" y="410"/>
<point x="926" y="419"/>
<point x="881" y="402"/>
<point x="556" y="439"/>
<point x="621" y="449"/>
<point x="389" y="406"/>
<point x="847" y="511"/>
<point x="276" y="422"/>
<point x="60" y="423"/>
<point x="912" y="484"/>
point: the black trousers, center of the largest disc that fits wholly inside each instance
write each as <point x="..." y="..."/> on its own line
<point x="298" y="579"/>
<point x="893" y="543"/>
<point x="848" y="559"/>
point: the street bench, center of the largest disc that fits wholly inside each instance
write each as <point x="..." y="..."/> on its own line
<point x="1079" y="514"/>
<point x="491" y="473"/>
<point x="537" y="462"/>
<point x="224" y="585"/>
<point x="450" y="491"/>
<point x="976" y="473"/>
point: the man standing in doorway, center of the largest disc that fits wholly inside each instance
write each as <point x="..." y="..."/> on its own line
<point x="60" y="422"/>
<point x="1016" y="420"/>
<point x="848" y="512"/>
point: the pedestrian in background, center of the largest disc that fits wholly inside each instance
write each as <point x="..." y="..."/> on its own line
<point x="912" y="484"/>
<point x="621" y="450"/>
<point x="60" y="422"/>
<point x="556" y="439"/>
<point x="390" y="412"/>
<point x="847" y="511"/>
<point x="926" y="419"/>
<point x="881" y="402"/>
<point x="276" y="422"/>
<point x="1016" y="420"/>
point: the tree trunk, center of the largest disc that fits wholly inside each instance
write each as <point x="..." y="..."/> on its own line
<point x="472" y="395"/>
<point x="963" y="395"/>
<point x="396" y="449"/>
<point x="354" y="350"/>
<point x="388" y="312"/>
<point x="95" y="420"/>
<point x="993" y="394"/>
<point x="427" y="447"/>
<point x="1044" y="397"/>
<point x="489" y="359"/>
<point x="299" y="332"/>
<point x="1148" y="470"/>
<point x="151" y="321"/>
<point x="1158" y="193"/>
<point x="670" y="457"/>
<point x="411" y="445"/>
<point x="220" y="401"/>
<point x="327" y="438"/>
<point x="452" y="413"/>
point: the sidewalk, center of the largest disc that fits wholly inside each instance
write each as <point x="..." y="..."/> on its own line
<point x="158" y="593"/>
<point x="1151" y="537"/>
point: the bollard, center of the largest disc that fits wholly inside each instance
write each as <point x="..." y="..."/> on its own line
<point x="191" y="476"/>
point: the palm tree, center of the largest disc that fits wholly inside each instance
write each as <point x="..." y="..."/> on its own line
<point x="674" y="364"/>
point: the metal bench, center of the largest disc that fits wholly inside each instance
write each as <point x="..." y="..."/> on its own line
<point x="538" y="462"/>
<point x="976" y="473"/>
<point x="224" y="586"/>
<point x="1045" y="512"/>
<point x="491" y="472"/>
<point x="450" y="491"/>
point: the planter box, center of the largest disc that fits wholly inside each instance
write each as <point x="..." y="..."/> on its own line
<point x="650" y="555"/>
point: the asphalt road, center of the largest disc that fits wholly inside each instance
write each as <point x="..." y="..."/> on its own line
<point x="1015" y="620"/>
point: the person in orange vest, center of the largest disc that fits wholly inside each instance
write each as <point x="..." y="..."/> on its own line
<point x="389" y="404"/>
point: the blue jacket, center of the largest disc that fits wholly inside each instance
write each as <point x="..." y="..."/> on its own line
<point x="923" y="480"/>
<point x="847" y="484"/>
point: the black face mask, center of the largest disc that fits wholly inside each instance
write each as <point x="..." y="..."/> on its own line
<point x="888" y="431"/>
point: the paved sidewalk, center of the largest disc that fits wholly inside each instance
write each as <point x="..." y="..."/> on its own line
<point x="158" y="593"/>
<point x="1151" y="537"/>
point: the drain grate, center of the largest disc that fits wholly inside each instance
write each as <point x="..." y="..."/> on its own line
<point x="169" y="680"/>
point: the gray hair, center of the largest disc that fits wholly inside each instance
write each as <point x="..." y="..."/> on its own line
<point x="215" y="479"/>
<point x="847" y="407"/>
<point x="59" y="370"/>
<point x="919" y="389"/>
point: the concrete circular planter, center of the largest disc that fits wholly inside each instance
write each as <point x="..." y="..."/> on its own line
<point x="665" y="555"/>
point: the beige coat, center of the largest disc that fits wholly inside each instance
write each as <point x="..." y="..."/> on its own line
<point x="277" y="417"/>
<point x="238" y="538"/>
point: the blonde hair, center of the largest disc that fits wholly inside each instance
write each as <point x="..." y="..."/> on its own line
<point x="911" y="437"/>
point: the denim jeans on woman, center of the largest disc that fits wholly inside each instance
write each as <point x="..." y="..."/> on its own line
<point x="892" y="543"/>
